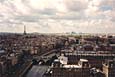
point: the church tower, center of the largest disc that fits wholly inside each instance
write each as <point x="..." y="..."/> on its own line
<point x="109" y="68"/>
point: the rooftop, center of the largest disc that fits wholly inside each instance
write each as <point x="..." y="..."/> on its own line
<point x="83" y="60"/>
<point x="72" y="66"/>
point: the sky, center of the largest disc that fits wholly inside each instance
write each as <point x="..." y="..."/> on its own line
<point x="57" y="16"/>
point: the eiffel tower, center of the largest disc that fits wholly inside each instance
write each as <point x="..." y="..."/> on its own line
<point x="24" y="30"/>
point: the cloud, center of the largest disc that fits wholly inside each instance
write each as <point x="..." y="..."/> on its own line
<point x="57" y="15"/>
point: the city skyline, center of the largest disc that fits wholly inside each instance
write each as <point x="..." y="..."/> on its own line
<point x="57" y="16"/>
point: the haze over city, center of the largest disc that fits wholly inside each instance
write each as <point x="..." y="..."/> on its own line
<point x="57" y="16"/>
